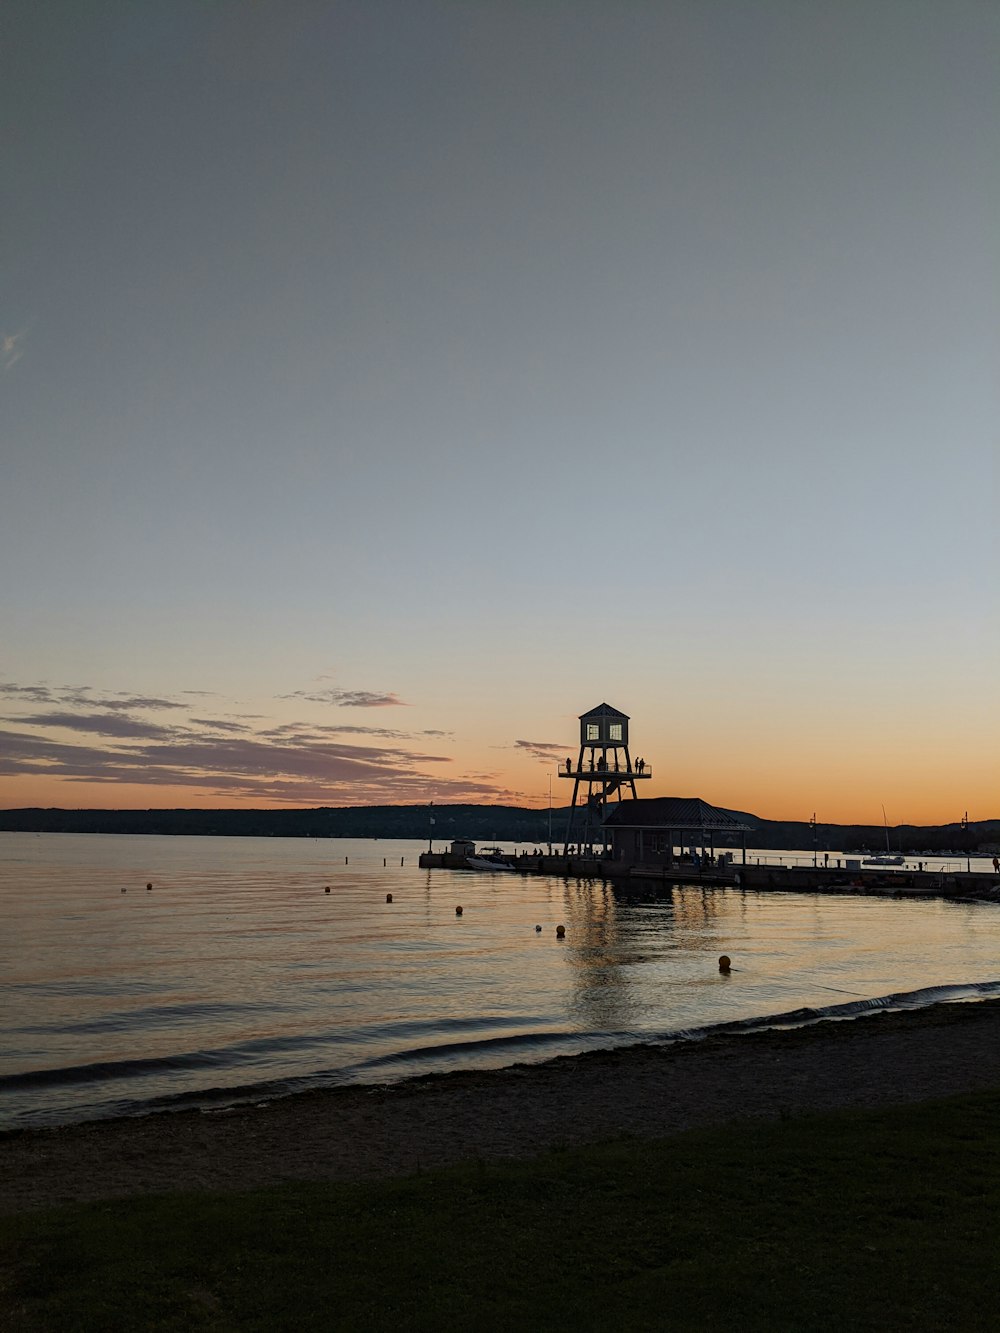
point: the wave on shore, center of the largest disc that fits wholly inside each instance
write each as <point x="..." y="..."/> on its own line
<point x="490" y="1053"/>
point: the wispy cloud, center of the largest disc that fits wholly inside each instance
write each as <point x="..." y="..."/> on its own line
<point x="139" y="701"/>
<point x="101" y="724"/>
<point x="245" y="768"/>
<point x="81" y="734"/>
<point x="11" y="349"/>
<point x="40" y="694"/>
<point x="215" y="724"/>
<point x="543" y="751"/>
<point x="349" y="698"/>
<point x="310" y="731"/>
<point x="85" y="696"/>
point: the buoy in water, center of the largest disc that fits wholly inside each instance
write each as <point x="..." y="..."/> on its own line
<point x="388" y="897"/>
<point x="725" y="963"/>
<point x="148" y="887"/>
<point x="560" y="932"/>
<point x="538" y="928"/>
<point x="458" y="911"/>
<point x="124" y="890"/>
<point x="327" y="889"/>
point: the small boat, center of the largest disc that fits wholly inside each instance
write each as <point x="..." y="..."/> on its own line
<point x="489" y="858"/>
<point x="888" y="859"/>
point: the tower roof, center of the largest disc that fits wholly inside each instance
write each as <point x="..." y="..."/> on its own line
<point x="604" y="710"/>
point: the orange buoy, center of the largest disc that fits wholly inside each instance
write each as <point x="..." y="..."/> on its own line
<point x="560" y="932"/>
<point x="725" y="963"/>
<point x="458" y="911"/>
<point x="388" y="897"/>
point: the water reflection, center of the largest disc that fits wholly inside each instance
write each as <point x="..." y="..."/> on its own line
<point x="240" y="955"/>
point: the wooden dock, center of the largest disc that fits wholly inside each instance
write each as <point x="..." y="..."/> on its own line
<point x="647" y="880"/>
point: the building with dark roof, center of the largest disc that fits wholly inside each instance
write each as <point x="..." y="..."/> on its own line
<point x="661" y="828"/>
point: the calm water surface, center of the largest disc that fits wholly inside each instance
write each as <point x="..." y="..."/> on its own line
<point x="239" y="976"/>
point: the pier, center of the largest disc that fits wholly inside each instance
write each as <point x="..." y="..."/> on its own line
<point x="649" y="879"/>
<point x="645" y="846"/>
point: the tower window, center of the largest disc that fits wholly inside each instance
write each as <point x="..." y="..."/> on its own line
<point x="593" y="731"/>
<point x="615" y="731"/>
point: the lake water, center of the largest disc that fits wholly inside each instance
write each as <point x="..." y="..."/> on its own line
<point x="238" y="976"/>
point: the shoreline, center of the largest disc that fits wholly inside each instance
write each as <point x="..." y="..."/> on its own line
<point x="360" y="1132"/>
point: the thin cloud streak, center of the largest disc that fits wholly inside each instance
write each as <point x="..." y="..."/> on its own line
<point x="350" y="698"/>
<point x="214" y="724"/>
<point x="103" y="724"/>
<point x="544" y="751"/>
<point x="11" y="350"/>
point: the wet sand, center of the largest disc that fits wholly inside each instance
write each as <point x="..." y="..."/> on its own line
<point x="360" y="1133"/>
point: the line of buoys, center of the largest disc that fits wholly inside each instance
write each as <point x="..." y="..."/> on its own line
<point x="388" y="897"/>
<point x="560" y="932"/>
<point x="458" y="911"/>
<point x="725" y="963"/>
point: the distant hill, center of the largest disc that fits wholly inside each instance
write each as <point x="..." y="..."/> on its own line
<point x="484" y="823"/>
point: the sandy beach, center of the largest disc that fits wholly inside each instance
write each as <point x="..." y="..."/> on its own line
<point x="363" y="1132"/>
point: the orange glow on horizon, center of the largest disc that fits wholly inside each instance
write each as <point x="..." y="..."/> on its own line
<point x="840" y="799"/>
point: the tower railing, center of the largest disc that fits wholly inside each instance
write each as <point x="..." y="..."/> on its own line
<point x="593" y="770"/>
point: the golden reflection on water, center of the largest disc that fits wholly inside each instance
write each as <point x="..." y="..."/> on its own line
<point x="239" y="956"/>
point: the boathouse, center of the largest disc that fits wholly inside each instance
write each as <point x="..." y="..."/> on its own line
<point x="662" y="829"/>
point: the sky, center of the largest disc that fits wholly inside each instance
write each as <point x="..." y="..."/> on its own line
<point x="384" y="384"/>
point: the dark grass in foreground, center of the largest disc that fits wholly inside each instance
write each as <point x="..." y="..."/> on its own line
<point x="887" y="1219"/>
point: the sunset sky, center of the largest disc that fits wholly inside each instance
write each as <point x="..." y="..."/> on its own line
<point x="383" y="384"/>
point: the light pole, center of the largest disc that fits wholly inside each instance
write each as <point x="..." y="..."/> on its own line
<point x="550" y="814"/>
<point x="968" y="854"/>
<point x="813" y="823"/>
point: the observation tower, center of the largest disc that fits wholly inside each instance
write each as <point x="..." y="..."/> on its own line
<point x="604" y="768"/>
